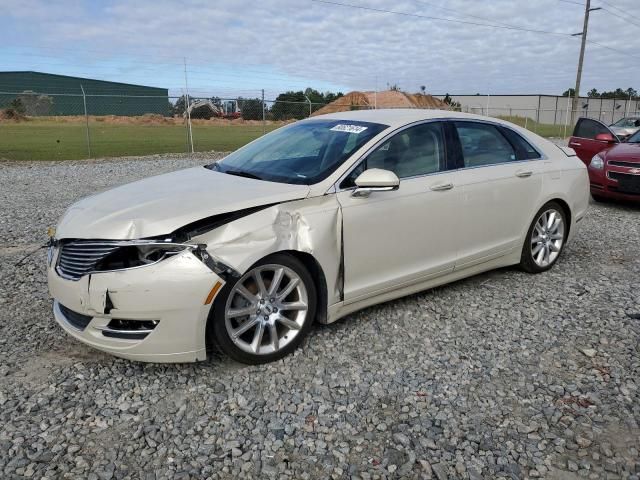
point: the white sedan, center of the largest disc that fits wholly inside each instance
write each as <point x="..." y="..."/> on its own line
<point x="308" y="223"/>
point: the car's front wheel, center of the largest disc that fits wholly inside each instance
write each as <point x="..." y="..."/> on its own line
<point x="545" y="239"/>
<point x="265" y="314"/>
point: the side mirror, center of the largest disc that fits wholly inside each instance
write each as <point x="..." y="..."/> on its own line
<point x="375" y="180"/>
<point x="606" y="137"/>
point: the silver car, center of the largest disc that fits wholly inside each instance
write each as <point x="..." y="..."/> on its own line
<point x="625" y="127"/>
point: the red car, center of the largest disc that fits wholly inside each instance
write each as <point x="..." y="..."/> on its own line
<point x="614" y="166"/>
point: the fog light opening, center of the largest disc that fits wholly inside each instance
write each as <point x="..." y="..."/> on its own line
<point x="129" y="329"/>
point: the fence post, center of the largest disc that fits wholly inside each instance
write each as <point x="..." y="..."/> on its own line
<point x="264" y="125"/>
<point x="308" y="100"/>
<point x="566" y="117"/>
<point x="86" y="119"/>
<point x="187" y="103"/>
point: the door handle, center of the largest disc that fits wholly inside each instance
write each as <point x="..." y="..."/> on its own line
<point x="441" y="187"/>
<point x="575" y="144"/>
<point x="524" y="173"/>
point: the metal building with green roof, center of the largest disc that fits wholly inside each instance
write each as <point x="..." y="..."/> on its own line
<point x="50" y="94"/>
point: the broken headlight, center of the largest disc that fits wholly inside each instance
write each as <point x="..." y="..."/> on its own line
<point x="139" y="254"/>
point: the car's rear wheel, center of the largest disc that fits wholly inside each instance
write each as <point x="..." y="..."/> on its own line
<point x="267" y="312"/>
<point x="545" y="239"/>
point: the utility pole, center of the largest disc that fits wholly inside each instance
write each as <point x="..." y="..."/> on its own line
<point x="583" y="34"/>
<point x="86" y="119"/>
<point x="187" y="104"/>
<point x="264" y="124"/>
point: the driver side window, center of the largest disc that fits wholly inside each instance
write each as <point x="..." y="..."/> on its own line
<point x="415" y="151"/>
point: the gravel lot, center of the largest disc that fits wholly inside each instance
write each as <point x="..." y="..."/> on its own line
<point x="502" y="375"/>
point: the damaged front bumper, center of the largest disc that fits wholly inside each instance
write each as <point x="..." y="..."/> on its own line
<point x="155" y="314"/>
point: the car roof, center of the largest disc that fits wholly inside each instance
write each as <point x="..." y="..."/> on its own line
<point x="395" y="117"/>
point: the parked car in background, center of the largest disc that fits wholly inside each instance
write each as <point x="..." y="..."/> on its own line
<point x="311" y="222"/>
<point x="625" y="127"/>
<point x="614" y="166"/>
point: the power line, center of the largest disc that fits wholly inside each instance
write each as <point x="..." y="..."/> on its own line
<point x="456" y="12"/>
<point x="625" y="12"/>
<point x="451" y="20"/>
<point x="443" y="19"/>
<point x="620" y="17"/>
<point x="614" y="14"/>
<point x="572" y="2"/>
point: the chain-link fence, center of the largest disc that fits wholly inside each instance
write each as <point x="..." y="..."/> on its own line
<point x="42" y="126"/>
<point x="551" y="122"/>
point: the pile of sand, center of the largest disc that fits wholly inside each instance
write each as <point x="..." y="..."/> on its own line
<point x="387" y="99"/>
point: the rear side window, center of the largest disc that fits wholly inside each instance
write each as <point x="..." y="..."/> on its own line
<point x="483" y="144"/>
<point x="524" y="150"/>
<point x="587" y="128"/>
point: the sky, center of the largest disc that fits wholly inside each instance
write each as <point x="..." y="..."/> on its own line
<point x="239" y="47"/>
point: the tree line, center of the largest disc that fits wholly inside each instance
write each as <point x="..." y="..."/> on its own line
<point x="622" y="94"/>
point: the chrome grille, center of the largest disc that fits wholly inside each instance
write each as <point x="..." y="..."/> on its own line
<point x="618" y="163"/>
<point x="79" y="257"/>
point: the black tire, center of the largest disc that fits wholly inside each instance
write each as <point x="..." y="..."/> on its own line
<point x="527" y="262"/>
<point x="598" y="198"/>
<point x="216" y="327"/>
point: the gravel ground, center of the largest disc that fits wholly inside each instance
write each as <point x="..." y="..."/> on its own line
<point x="503" y="375"/>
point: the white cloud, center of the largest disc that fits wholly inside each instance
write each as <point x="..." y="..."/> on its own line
<point x="276" y="44"/>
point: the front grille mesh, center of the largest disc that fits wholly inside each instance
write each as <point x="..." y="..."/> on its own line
<point x="79" y="257"/>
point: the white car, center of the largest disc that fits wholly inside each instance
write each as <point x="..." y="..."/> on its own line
<point x="308" y="223"/>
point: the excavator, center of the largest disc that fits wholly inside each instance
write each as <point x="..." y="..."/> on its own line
<point x="228" y="109"/>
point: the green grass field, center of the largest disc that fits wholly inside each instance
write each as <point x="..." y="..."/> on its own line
<point x="51" y="140"/>
<point x="54" y="140"/>
<point x="542" y="129"/>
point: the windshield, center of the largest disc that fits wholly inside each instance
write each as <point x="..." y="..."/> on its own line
<point x="635" y="138"/>
<point x="627" y="122"/>
<point x="302" y="153"/>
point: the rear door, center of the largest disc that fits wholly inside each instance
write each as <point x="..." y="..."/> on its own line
<point x="584" y="142"/>
<point x="500" y="177"/>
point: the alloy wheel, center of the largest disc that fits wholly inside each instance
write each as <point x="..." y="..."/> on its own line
<point x="547" y="237"/>
<point x="266" y="309"/>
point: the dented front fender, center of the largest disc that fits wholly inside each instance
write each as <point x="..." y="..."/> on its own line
<point x="312" y="225"/>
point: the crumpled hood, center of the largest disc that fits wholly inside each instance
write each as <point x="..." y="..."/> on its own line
<point x="161" y="204"/>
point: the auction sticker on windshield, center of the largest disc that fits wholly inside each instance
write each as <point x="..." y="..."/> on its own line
<point x="348" y="128"/>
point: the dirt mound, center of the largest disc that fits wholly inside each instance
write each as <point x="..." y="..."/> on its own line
<point x="388" y="99"/>
<point x="350" y="101"/>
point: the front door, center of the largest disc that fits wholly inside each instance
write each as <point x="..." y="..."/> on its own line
<point x="400" y="237"/>
<point x="584" y="142"/>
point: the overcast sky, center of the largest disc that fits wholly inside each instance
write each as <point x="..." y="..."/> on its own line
<point x="240" y="46"/>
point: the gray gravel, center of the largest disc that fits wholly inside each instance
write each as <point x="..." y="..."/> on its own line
<point x="504" y="375"/>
